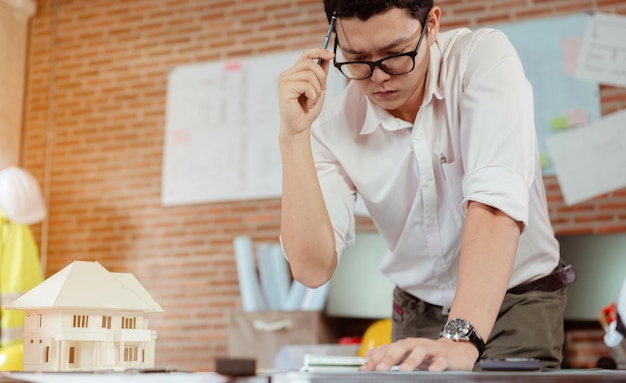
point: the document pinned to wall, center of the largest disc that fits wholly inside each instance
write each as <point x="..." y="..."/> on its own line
<point x="603" y="52"/>
<point x="549" y="50"/>
<point x="590" y="160"/>
<point x="221" y="129"/>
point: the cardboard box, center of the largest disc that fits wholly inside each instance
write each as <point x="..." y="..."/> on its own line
<point x="261" y="334"/>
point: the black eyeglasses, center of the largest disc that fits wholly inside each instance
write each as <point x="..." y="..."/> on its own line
<point x="395" y="65"/>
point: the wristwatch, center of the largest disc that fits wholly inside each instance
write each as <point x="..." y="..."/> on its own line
<point x="460" y="330"/>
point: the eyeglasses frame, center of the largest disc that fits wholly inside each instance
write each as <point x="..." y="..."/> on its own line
<point x="379" y="63"/>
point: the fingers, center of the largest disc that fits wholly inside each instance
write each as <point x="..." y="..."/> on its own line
<point x="300" y="83"/>
<point x="438" y="364"/>
<point x="324" y="60"/>
<point x="418" y="353"/>
<point x="307" y="62"/>
<point x="318" y="54"/>
<point x="305" y="81"/>
<point x="418" y="358"/>
<point x="383" y="358"/>
<point x="301" y="90"/>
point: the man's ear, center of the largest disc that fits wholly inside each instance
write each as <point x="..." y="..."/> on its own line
<point x="433" y="24"/>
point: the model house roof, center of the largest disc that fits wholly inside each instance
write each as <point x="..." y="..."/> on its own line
<point x="88" y="285"/>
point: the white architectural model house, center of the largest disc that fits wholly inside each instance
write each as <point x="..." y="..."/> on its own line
<point x="85" y="318"/>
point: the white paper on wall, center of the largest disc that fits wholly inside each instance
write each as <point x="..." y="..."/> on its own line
<point x="603" y="53"/>
<point x="591" y="160"/>
<point x="221" y="129"/>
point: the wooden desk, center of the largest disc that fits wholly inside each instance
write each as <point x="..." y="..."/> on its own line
<point x="561" y="376"/>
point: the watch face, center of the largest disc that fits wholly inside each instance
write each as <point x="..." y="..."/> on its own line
<point x="457" y="328"/>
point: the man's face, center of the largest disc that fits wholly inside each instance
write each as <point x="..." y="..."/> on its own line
<point x="381" y="36"/>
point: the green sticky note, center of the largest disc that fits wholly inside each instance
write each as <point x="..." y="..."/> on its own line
<point x="545" y="161"/>
<point x="560" y="123"/>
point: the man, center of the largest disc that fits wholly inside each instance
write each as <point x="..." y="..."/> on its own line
<point x="435" y="132"/>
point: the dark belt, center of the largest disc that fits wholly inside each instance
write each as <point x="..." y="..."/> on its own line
<point x="556" y="280"/>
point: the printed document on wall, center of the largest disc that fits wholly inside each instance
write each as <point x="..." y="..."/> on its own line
<point x="549" y="50"/>
<point x="603" y="52"/>
<point x="591" y="160"/>
<point x="221" y="129"/>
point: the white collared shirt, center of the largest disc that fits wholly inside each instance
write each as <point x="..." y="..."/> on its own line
<point x="473" y="139"/>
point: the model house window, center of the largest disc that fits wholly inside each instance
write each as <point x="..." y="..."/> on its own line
<point x="80" y="321"/>
<point x="131" y="353"/>
<point x="38" y="320"/>
<point x="128" y="322"/>
<point x="72" y="356"/>
<point x="106" y="322"/>
<point x="46" y="354"/>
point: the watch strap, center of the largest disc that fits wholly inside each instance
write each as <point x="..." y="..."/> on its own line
<point x="477" y="341"/>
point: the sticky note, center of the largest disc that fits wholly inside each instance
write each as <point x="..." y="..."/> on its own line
<point x="577" y="117"/>
<point x="544" y="160"/>
<point x="559" y="123"/>
<point x="571" y="51"/>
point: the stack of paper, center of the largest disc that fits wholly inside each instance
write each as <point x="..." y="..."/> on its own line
<point x="332" y="363"/>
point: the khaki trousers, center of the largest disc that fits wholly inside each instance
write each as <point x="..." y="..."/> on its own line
<point x="529" y="325"/>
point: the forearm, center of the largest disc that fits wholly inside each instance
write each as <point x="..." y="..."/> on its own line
<point x="306" y="230"/>
<point x="488" y="249"/>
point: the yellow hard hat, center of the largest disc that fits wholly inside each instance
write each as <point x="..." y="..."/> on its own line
<point x="11" y="357"/>
<point x="377" y="334"/>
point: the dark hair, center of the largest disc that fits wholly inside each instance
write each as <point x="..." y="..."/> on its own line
<point x="364" y="9"/>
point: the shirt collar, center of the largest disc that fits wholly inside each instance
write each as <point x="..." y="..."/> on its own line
<point x="376" y="116"/>
<point x="436" y="72"/>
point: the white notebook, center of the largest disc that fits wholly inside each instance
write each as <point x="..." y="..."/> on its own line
<point x="332" y="363"/>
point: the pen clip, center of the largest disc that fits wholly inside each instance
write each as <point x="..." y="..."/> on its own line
<point x="443" y="160"/>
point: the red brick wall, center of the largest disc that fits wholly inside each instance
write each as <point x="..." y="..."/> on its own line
<point x="586" y="346"/>
<point x="93" y="136"/>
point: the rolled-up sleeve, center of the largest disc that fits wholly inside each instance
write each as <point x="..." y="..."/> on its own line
<point x="497" y="129"/>
<point x="338" y="191"/>
<point x="509" y="194"/>
<point x="343" y="222"/>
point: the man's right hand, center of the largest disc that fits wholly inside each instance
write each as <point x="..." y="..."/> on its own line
<point x="301" y="91"/>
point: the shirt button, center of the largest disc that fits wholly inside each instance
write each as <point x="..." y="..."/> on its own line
<point x="417" y="136"/>
<point x="426" y="183"/>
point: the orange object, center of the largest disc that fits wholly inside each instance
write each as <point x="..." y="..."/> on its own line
<point x="608" y="315"/>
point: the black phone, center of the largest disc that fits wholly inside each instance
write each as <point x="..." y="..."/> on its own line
<point x="510" y="364"/>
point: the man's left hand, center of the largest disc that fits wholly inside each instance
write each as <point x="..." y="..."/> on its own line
<point x="424" y="354"/>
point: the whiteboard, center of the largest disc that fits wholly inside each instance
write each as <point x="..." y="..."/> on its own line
<point x="221" y="129"/>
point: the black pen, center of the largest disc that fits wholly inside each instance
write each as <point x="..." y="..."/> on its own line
<point x="331" y="28"/>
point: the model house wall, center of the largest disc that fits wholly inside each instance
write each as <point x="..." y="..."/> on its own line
<point x="85" y="318"/>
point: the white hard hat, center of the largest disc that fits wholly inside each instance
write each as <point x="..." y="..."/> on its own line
<point x="20" y="196"/>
